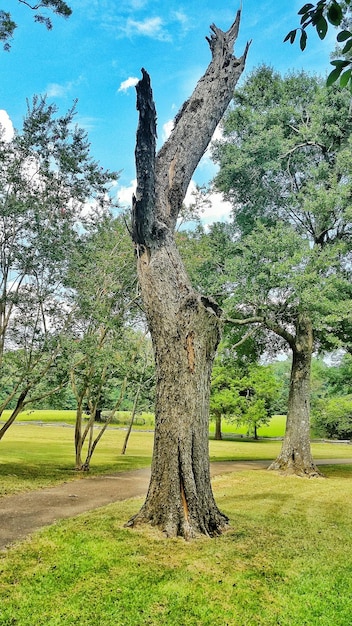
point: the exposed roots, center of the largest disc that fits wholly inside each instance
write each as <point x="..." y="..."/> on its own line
<point x="182" y="527"/>
<point x="295" y="468"/>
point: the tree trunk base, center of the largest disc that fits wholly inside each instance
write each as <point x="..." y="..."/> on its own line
<point x="213" y="526"/>
<point x="295" y="467"/>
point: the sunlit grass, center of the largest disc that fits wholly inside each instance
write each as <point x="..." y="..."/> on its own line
<point x="33" y="456"/>
<point x="275" y="428"/>
<point x="144" y="421"/>
<point x="286" y="560"/>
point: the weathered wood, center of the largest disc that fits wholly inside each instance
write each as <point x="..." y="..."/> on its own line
<point x="185" y="327"/>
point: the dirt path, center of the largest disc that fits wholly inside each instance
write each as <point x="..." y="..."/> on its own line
<point x="26" y="512"/>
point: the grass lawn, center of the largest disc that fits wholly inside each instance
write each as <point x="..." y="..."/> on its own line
<point x="38" y="455"/>
<point x="275" y="428"/>
<point x="286" y="560"/>
<point x="33" y="456"/>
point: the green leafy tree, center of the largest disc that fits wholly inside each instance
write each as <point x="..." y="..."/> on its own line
<point x="8" y="25"/>
<point x="224" y="396"/>
<point x="286" y="165"/>
<point x="47" y="181"/>
<point x="332" y="417"/>
<point x="102" y="280"/>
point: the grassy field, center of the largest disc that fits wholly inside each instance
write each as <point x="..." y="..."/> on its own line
<point x="34" y="456"/>
<point x="286" y="560"/>
<point x="145" y="421"/>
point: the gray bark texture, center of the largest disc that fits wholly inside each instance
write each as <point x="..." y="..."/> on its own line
<point x="295" y="456"/>
<point x="185" y="326"/>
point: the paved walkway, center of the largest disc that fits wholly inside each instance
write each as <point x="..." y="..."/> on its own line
<point x="26" y="512"/>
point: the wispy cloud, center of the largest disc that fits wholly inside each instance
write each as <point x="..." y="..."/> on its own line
<point x="152" y="27"/>
<point x="182" y="19"/>
<point x="128" y="83"/>
<point x="57" y="90"/>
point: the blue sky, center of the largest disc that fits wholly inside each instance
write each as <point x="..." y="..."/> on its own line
<point x="94" y="54"/>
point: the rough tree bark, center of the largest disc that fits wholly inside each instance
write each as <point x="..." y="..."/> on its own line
<point x="295" y="456"/>
<point x="185" y="326"/>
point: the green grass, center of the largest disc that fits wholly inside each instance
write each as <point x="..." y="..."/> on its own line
<point x="275" y="428"/>
<point x="50" y="416"/>
<point x="286" y="560"/>
<point x="33" y="456"/>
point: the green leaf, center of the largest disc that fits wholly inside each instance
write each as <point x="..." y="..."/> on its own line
<point x="333" y="76"/>
<point x="343" y="35"/>
<point x="340" y="63"/>
<point x="347" y="47"/>
<point x="291" y="36"/>
<point x="305" y="8"/>
<point x="303" y="40"/>
<point x="345" y="77"/>
<point x="322" y="27"/>
<point x="334" y="14"/>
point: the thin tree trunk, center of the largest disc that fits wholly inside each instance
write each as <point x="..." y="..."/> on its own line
<point x="295" y="456"/>
<point x="185" y="327"/>
<point x="17" y="410"/>
<point x="78" y="437"/>
<point x="218" y="434"/>
<point x="133" y="415"/>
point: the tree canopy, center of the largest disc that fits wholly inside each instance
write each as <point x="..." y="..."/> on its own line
<point x="285" y="163"/>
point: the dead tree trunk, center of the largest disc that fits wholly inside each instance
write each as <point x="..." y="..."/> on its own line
<point x="295" y="456"/>
<point x="185" y="326"/>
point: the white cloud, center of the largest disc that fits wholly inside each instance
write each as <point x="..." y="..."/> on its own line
<point x="6" y="125"/>
<point x="214" y="209"/>
<point x="167" y="130"/>
<point x="152" y="27"/>
<point x="124" y="194"/>
<point x="128" y="83"/>
<point x="55" y="90"/>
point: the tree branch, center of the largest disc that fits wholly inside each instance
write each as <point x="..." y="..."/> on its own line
<point x="162" y="180"/>
<point x="243" y="321"/>
<point x="196" y="122"/>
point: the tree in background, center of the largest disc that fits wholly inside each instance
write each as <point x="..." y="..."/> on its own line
<point x="185" y="327"/>
<point x="224" y="396"/>
<point x="8" y="26"/>
<point x="102" y="284"/>
<point x="50" y="188"/>
<point x="244" y="394"/>
<point x="285" y="163"/>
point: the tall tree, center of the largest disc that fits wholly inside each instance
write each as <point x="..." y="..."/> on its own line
<point x="286" y="165"/>
<point x="185" y="326"/>
<point x="47" y="179"/>
<point x="101" y="279"/>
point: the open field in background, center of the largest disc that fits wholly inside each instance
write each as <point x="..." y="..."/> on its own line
<point x="276" y="427"/>
<point x="145" y="421"/>
<point x="34" y="456"/>
<point x="286" y="560"/>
